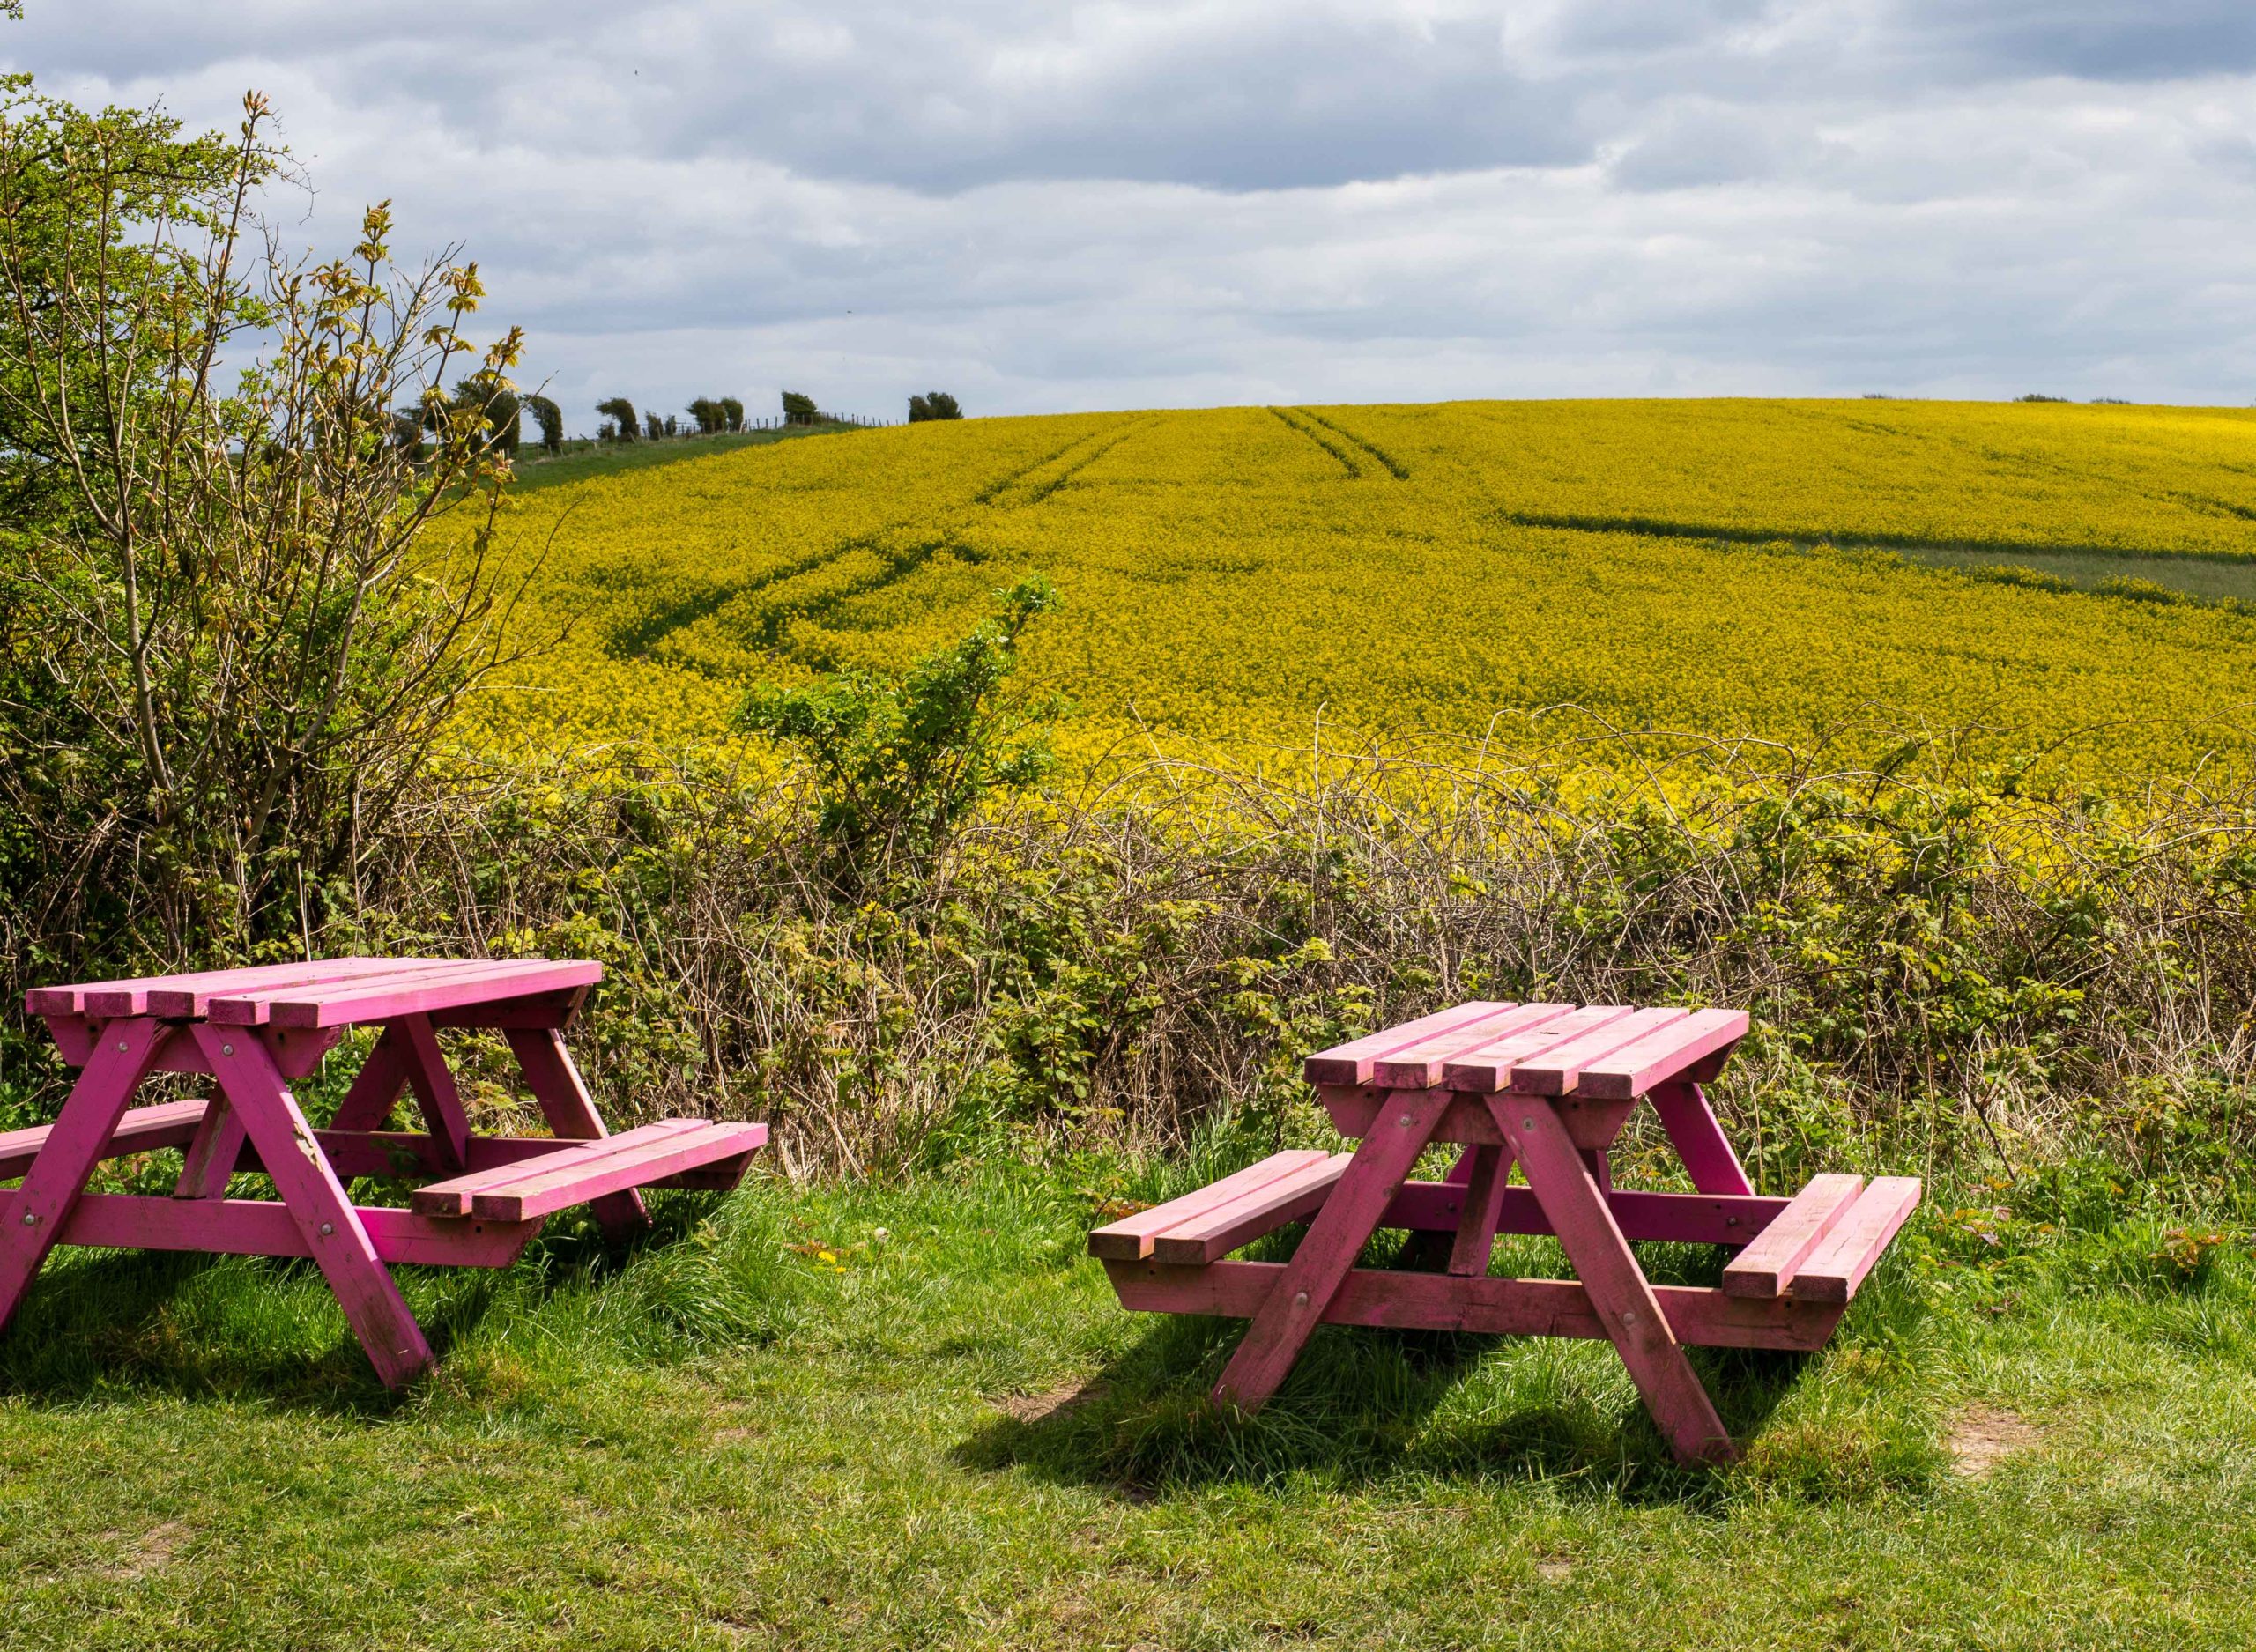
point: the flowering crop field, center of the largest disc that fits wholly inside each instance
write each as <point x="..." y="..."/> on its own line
<point x="1237" y="579"/>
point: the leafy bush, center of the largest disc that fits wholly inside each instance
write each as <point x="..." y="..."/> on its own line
<point x="935" y="404"/>
<point x="900" y="763"/>
<point x="731" y="413"/>
<point x="800" y="409"/>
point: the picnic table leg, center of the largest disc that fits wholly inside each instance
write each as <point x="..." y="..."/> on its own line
<point x="571" y="1113"/>
<point x="1428" y="1249"/>
<point x="435" y="1095"/>
<point x="1580" y="1215"/>
<point x="1698" y="1139"/>
<point x="31" y="1217"/>
<point x="333" y="1231"/>
<point x="1343" y="1227"/>
<point x="213" y="1153"/>
<point x="375" y="1090"/>
<point x="1490" y="1170"/>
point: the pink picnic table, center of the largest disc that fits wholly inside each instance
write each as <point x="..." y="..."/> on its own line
<point x="253" y="1031"/>
<point x="1548" y="1087"/>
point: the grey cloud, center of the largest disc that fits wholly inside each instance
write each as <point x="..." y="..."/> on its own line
<point x="1047" y="206"/>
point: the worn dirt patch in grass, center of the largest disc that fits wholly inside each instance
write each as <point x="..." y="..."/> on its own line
<point x="1982" y="1436"/>
<point x="1035" y="1408"/>
<point x="151" y="1551"/>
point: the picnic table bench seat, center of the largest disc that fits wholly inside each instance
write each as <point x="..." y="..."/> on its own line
<point x="252" y="1030"/>
<point x="1548" y="1087"/>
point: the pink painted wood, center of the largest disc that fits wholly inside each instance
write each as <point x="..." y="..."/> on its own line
<point x="1507" y="1308"/>
<point x="435" y="1095"/>
<point x="453" y="1196"/>
<point x="1218" y="1232"/>
<point x="1766" y="1267"/>
<point x="1618" y="1289"/>
<point x="131" y="998"/>
<point x="140" y="1130"/>
<point x="1684" y="1218"/>
<point x="1550" y="1086"/>
<point x="540" y="1187"/>
<point x="387" y="998"/>
<point x="32" y="1216"/>
<point x="1134" y="1236"/>
<point x="1837" y="1267"/>
<point x="1281" y="1329"/>
<point x="1635" y="1068"/>
<point x="1420" y="1066"/>
<point x="1558" y="1071"/>
<point x="375" y="1090"/>
<point x="1698" y="1137"/>
<point x="571" y="1113"/>
<point x="1490" y="1067"/>
<point x="1484" y="1207"/>
<point x="1351" y="1062"/>
<point x="261" y="1227"/>
<point x="211" y="1158"/>
<point x="254" y="1030"/>
<point x="335" y="1236"/>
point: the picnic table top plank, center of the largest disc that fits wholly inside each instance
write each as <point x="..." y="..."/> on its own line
<point x="409" y="992"/>
<point x="1350" y="1063"/>
<point x="1559" y="1069"/>
<point x="1420" y="1066"/>
<point x="1490" y="1068"/>
<point x="130" y="996"/>
<point x="1662" y="1054"/>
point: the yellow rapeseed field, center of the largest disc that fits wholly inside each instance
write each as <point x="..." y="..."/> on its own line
<point x="1236" y="578"/>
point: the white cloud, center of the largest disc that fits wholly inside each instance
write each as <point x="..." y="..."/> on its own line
<point x="1044" y="205"/>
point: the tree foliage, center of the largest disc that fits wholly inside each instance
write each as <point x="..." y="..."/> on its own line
<point x="621" y="412"/>
<point x="731" y="413"/>
<point x="550" y="417"/>
<point x="224" y="650"/>
<point x="800" y="409"/>
<point x="933" y="404"/>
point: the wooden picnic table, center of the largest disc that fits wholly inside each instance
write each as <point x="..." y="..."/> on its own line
<point x="253" y="1031"/>
<point x="1548" y="1087"/>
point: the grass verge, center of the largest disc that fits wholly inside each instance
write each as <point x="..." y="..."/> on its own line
<point x="913" y="1416"/>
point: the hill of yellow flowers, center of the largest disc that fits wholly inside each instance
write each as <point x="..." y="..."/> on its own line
<point x="1237" y="579"/>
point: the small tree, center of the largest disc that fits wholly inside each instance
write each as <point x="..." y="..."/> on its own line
<point x="935" y="404"/>
<point x="711" y="419"/>
<point x="621" y="411"/>
<point x="800" y="409"/>
<point x="550" y="417"/>
<point x="901" y="762"/>
<point x="226" y="646"/>
<point x="654" y="429"/>
<point x="731" y="413"/>
<point x="673" y="425"/>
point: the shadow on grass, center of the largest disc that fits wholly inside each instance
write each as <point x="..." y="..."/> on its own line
<point x="100" y="1324"/>
<point x="1363" y="1405"/>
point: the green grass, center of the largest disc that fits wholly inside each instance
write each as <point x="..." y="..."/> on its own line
<point x="952" y="1436"/>
<point x="2204" y="577"/>
<point x="534" y="472"/>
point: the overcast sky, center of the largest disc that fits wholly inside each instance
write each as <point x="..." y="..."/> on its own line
<point x="1044" y="205"/>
